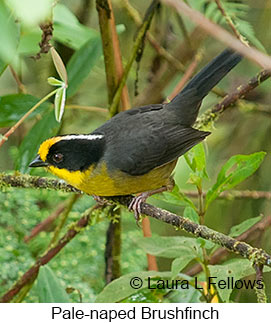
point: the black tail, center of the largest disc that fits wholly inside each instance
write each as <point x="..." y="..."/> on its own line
<point x="187" y="102"/>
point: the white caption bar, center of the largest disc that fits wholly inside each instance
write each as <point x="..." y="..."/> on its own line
<point x="107" y="313"/>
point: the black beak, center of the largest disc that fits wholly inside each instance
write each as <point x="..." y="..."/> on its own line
<point x="38" y="162"/>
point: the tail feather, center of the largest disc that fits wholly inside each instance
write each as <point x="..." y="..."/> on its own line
<point x="187" y="102"/>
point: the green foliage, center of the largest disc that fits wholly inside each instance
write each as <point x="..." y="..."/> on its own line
<point x="45" y="128"/>
<point x="235" y="171"/>
<point x="14" y="106"/>
<point x="169" y="247"/>
<point x="238" y="229"/>
<point x="191" y="214"/>
<point x="9" y="33"/>
<point x="68" y="30"/>
<point x="175" y="197"/>
<point x="82" y="62"/>
<point x="196" y="160"/>
<point x="232" y="270"/>
<point x="79" y="267"/>
<point x="122" y="285"/>
<point x="3" y="66"/>
<point x="49" y="287"/>
<point x="236" y="11"/>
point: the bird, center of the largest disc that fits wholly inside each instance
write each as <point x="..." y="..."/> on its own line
<point x="135" y="152"/>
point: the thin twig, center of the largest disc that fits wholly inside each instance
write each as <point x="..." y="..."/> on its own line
<point x="137" y="43"/>
<point x="125" y="101"/>
<point x="13" y="128"/>
<point x="212" y="114"/>
<point x="153" y="93"/>
<point x="234" y="194"/>
<point x="161" y="51"/>
<point x="16" y="77"/>
<point x="31" y="274"/>
<point x="221" y="253"/>
<point x="151" y="259"/>
<point x="230" y="22"/>
<point x="221" y="34"/>
<point x="260" y="292"/>
<point x="63" y="219"/>
<point x="42" y="226"/>
<point x="187" y="75"/>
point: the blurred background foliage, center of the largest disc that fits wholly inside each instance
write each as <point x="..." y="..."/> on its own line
<point x="240" y="130"/>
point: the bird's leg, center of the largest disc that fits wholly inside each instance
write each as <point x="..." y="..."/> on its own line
<point x="137" y="201"/>
<point x="100" y="200"/>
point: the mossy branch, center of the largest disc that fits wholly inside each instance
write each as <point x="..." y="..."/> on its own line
<point x="212" y="114"/>
<point x="259" y="256"/>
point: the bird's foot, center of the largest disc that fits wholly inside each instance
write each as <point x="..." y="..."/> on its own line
<point x="100" y="200"/>
<point x="135" y="205"/>
<point x="137" y="201"/>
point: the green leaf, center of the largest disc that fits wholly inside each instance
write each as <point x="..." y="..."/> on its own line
<point x="55" y="82"/>
<point x="14" y="106"/>
<point x="68" y="30"/>
<point x="190" y="295"/>
<point x="59" y="65"/>
<point x="60" y="99"/>
<point x="175" y="197"/>
<point x="246" y="29"/>
<point x="3" y="67"/>
<point x="180" y="263"/>
<point x="196" y="160"/>
<point x="120" y="288"/>
<point x="9" y="35"/>
<point x="49" y="287"/>
<point x="191" y="214"/>
<point x="234" y="269"/>
<point x="169" y="247"/>
<point x="82" y="62"/>
<point x="43" y="129"/>
<point x="207" y="244"/>
<point x="29" y="41"/>
<point x="73" y="36"/>
<point x="236" y="170"/>
<point x="244" y="226"/>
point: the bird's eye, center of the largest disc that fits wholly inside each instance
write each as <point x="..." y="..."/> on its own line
<point x="57" y="158"/>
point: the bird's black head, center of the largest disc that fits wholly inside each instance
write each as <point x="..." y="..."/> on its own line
<point x="71" y="152"/>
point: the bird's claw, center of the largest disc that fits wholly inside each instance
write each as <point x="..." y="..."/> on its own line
<point x="135" y="206"/>
<point x="100" y="200"/>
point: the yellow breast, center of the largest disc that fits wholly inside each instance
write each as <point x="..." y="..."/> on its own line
<point x="98" y="181"/>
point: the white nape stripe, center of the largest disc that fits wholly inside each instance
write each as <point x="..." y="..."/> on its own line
<point x="86" y="137"/>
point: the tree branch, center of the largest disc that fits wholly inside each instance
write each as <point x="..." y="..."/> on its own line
<point x="212" y="114"/>
<point x="253" y="232"/>
<point x="31" y="274"/>
<point x="221" y="34"/>
<point x="245" y="250"/>
<point x="137" y="45"/>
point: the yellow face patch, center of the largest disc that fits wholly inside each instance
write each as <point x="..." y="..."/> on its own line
<point x="45" y="146"/>
<point x="75" y="178"/>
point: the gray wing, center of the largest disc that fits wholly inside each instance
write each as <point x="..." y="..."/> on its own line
<point x="139" y="141"/>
